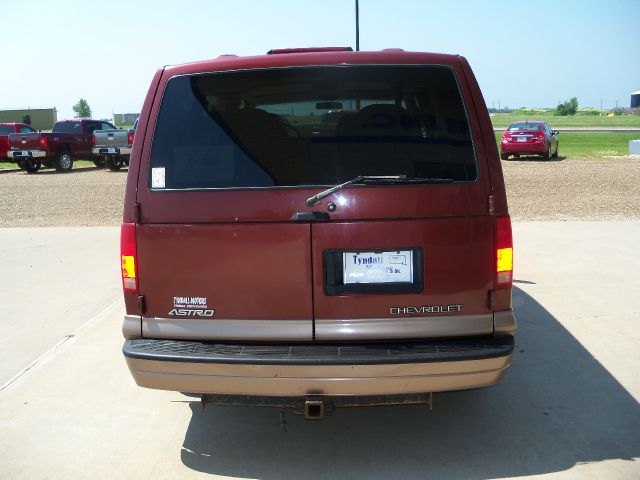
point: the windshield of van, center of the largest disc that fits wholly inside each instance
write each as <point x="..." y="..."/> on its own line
<point x="310" y="126"/>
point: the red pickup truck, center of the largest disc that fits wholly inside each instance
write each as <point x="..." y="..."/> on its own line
<point x="69" y="139"/>
<point x="5" y="130"/>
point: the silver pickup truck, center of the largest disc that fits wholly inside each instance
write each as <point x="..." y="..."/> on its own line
<point x="114" y="146"/>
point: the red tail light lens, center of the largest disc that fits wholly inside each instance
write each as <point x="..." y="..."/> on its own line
<point x="504" y="253"/>
<point x="128" y="258"/>
<point x="539" y="135"/>
<point x="130" y="138"/>
<point x="43" y="141"/>
<point x="93" y="139"/>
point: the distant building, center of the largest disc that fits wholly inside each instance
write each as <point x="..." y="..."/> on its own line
<point x="635" y="99"/>
<point x="120" y="119"/>
<point x="41" y="118"/>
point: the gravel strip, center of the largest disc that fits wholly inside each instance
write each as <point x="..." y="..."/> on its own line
<point x="86" y="196"/>
<point x="573" y="188"/>
<point x="565" y="189"/>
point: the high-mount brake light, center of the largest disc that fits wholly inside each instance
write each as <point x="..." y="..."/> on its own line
<point x="130" y="138"/>
<point x="43" y="141"/>
<point x="504" y="253"/>
<point x="128" y="258"/>
<point x="281" y="51"/>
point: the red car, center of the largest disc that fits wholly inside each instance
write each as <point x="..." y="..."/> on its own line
<point x="529" y="138"/>
<point x="5" y="130"/>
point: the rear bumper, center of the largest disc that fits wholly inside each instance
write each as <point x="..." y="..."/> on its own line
<point x="16" y="155"/>
<point x="513" y="148"/>
<point x="111" y="150"/>
<point x="319" y="369"/>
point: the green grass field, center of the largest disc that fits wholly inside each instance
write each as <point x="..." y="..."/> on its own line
<point x="592" y="144"/>
<point x="578" y="120"/>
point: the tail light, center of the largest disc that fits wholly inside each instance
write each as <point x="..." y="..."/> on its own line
<point x="504" y="252"/>
<point x="128" y="258"/>
<point x="130" y="138"/>
<point x="43" y="141"/>
<point x="93" y="139"/>
<point x="540" y="135"/>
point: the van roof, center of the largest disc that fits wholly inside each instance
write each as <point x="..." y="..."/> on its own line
<point x="307" y="57"/>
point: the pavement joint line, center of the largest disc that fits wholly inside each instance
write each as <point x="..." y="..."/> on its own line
<point x="53" y="350"/>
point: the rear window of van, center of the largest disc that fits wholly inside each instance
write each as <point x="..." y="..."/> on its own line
<point x="308" y="126"/>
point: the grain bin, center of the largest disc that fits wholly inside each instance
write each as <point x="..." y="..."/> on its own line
<point x="635" y="99"/>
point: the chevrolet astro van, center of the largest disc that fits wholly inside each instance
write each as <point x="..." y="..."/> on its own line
<point x="315" y="228"/>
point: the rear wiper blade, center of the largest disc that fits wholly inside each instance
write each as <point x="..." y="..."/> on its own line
<point x="373" y="179"/>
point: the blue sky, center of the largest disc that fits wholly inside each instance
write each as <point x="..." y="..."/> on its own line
<point x="531" y="53"/>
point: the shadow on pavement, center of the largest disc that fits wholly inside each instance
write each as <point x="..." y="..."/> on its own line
<point x="535" y="158"/>
<point x="556" y="407"/>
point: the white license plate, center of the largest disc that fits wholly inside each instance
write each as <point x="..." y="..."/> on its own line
<point x="111" y="150"/>
<point x="23" y="153"/>
<point x="378" y="267"/>
<point x="522" y="139"/>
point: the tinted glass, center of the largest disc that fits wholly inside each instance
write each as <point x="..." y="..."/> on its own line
<point x="311" y="126"/>
<point x="6" y="129"/>
<point x="24" y="129"/>
<point x="67" y="127"/>
<point x="525" y="127"/>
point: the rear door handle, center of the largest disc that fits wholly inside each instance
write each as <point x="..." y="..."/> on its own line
<point x="310" y="216"/>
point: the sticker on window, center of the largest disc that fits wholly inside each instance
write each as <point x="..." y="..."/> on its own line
<point x="214" y="163"/>
<point x="157" y="177"/>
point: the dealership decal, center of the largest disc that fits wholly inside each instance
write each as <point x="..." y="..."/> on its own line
<point x="191" y="307"/>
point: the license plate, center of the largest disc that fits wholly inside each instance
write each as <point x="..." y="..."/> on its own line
<point x="24" y="153"/>
<point x="111" y="150"/>
<point x="378" y="267"/>
<point x="522" y="139"/>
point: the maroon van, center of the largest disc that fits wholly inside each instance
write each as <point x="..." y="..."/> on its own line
<point x="317" y="228"/>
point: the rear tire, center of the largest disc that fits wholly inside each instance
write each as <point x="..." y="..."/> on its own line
<point x="100" y="163"/>
<point x="64" y="162"/>
<point x="21" y="165"/>
<point x="555" y="155"/>
<point x="504" y="156"/>
<point x="115" y="163"/>
<point x="548" y="154"/>
<point x="32" y="165"/>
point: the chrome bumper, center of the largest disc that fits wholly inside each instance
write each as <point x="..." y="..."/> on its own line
<point x="19" y="154"/>
<point x="111" y="150"/>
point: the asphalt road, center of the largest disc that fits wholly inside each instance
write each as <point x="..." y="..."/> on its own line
<point x="586" y="129"/>
<point x="568" y="407"/>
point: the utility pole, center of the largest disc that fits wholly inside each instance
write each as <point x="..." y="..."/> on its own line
<point x="600" y="104"/>
<point x="616" y="104"/>
<point x="357" y="27"/>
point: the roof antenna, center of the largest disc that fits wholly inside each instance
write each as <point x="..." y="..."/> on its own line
<point x="357" y="27"/>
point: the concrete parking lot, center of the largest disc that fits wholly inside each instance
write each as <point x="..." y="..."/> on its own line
<point x="568" y="407"/>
